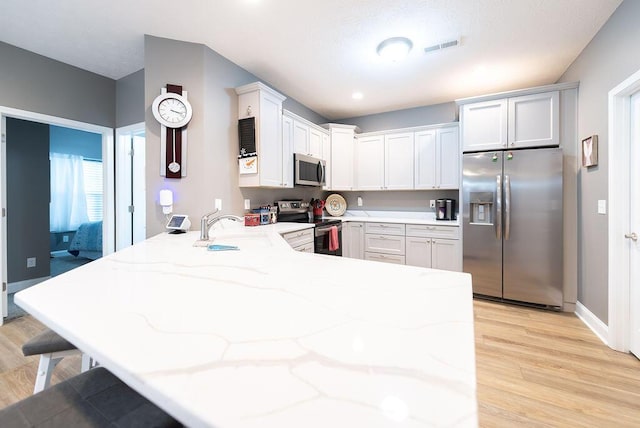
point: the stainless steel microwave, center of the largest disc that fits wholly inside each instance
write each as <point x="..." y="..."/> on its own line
<point x="309" y="171"/>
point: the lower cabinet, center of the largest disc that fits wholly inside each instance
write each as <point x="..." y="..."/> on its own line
<point x="436" y="247"/>
<point x="301" y="240"/>
<point x="353" y="240"/>
<point x="384" y="242"/>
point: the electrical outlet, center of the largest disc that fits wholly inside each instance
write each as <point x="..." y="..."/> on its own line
<point x="31" y="262"/>
<point x="247" y="204"/>
<point x="359" y="201"/>
<point x="432" y="203"/>
<point x="65" y="238"/>
<point x="219" y="204"/>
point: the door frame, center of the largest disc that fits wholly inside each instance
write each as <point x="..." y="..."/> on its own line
<point x="619" y="150"/>
<point x="130" y="174"/>
<point x="108" y="224"/>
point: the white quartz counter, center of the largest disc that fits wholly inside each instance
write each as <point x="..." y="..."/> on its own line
<point x="266" y="336"/>
<point x="396" y="217"/>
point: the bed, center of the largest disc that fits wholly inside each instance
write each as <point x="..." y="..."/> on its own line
<point x="87" y="242"/>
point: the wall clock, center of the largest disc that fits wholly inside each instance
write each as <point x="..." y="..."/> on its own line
<point x="172" y="109"/>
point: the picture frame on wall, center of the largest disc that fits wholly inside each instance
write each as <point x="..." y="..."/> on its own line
<point x="590" y="151"/>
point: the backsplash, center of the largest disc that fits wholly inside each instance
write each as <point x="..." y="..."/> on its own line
<point x="410" y="200"/>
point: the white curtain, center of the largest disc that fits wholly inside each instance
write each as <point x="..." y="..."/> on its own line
<point x="68" y="207"/>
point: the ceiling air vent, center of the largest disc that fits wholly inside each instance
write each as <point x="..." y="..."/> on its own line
<point x="442" y="45"/>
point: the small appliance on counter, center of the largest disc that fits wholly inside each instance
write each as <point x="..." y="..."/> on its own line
<point x="445" y="209"/>
<point x="178" y="223"/>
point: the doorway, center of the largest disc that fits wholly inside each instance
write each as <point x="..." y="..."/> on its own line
<point x="624" y="218"/>
<point x="106" y="137"/>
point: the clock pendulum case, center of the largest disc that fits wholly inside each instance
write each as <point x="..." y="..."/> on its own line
<point x="174" y="112"/>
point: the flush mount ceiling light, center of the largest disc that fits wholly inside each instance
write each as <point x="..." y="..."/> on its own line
<point x="395" y="48"/>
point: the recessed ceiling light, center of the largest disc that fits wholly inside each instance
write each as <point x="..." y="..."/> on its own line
<point x="357" y="95"/>
<point x="395" y="48"/>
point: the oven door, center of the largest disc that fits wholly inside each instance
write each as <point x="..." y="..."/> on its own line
<point x="328" y="242"/>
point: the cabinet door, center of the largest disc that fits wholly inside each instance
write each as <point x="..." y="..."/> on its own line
<point x="399" y="161"/>
<point x="300" y="138"/>
<point x="534" y="120"/>
<point x="270" y="149"/>
<point x="484" y="125"/>
<point x="326" y="155"/>
<point x="425" y="159"/>
<point x="315" y="143"/>
<point x="446" y="254"/>
<point x="287" y="151"/>
<point x="448" y="159"/>
<point x="342" y="159"/>
<point x="387" y="244"/>
<point x="418" y="252"/>
<point x="353" y="240"/>
<point x="369" y="161"/>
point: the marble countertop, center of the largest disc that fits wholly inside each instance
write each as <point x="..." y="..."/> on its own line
<point x="266" y="336"/>
<point x="408" y="217"/>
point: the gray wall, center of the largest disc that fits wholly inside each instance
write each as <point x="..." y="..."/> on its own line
<point x="28" y="194"/>
<point x="609" y="59"/>
<point x="38" y="84"/>
<point x="210" y="80"/>
<point x="130" y="99"/>
<point x="75" y="142"/>
<point x="417" y="116"/>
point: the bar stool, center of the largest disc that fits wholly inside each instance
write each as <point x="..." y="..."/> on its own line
<point x="52" y="348"/>
<point x="95" y="398"/>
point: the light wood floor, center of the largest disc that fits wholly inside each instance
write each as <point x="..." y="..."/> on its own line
<point x="535" y="369"/>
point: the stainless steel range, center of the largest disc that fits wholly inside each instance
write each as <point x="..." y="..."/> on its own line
<point x="327" y="240"/>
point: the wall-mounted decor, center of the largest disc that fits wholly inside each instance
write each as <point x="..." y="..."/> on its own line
<point x="590" y="151"/>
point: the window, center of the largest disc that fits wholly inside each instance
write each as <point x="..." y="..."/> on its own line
<point x="92" y="171"/>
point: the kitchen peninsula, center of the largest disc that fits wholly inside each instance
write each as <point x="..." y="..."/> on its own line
<point x="267" y="336"/>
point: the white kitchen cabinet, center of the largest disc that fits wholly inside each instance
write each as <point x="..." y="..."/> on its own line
<point x="353" y="240"/>
<point x="301" y="240"/>
<point x="398" y="158"/>
<point x="307" y="137"/>
<point x="369" y="162"/>
<point x="527" y="121"/>
<point x="287" y="151"/>
<point x="342" y="157"/>
<point x="436" y="247"/>
<point x="534" y="120"/>
<point x="384" y="242"/>
<point x="437" y="158"/>
<point x="326" y="155"/>
<point x="259" y="101"/>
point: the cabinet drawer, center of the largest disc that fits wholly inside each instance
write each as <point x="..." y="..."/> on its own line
<point x="387" y="244"/>
<point x="386" y="258"/>
<point x="305" y="248"/>
<point x="299" y="237"/>
<point x="425" y="230"/>
<point x="385" y="228"/>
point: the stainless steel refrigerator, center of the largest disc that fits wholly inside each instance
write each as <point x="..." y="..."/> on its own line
<point x="512" y="224"/>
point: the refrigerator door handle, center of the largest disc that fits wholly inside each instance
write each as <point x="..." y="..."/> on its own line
<point x="498" y="213"/>
<point x="507" y="207"/>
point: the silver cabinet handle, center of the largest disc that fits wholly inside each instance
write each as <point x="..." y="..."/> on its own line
<point x="633" y="236"/>
<point x="507" y="206"/>
<point x="498" y="213"/>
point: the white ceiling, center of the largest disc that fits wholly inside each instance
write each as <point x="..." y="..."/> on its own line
<point x="321" y="51"/>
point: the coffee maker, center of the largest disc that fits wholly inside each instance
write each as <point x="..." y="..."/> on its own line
<point x="445" y="209"/>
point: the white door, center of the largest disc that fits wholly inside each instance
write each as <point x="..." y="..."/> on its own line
<point x="634" y="227"/>
<point x="130" y="188"/>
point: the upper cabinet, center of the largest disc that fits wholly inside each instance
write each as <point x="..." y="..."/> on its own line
<point x="437" y="158"/>
<point x="407" y="159"/>
<point x="509" y="123"/>
<point x="341" y="156"/>
<point x="271" y="167"/>
<point x="307" y="138"/>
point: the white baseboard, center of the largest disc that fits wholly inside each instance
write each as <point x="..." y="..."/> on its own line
<point x="14" y="287"/>
<point x="593" y="322"/>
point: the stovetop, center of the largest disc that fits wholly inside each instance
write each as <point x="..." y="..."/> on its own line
<point x="296" y="211"/>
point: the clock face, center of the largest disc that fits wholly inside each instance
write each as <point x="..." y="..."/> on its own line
<point x="172" y="110"/>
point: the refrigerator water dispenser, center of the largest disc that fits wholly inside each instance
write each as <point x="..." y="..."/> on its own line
<point x="481" y="207"/>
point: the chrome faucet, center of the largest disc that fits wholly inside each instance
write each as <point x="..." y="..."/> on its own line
<point x="208" y="220"/>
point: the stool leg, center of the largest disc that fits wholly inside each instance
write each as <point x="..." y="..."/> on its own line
<point x="86" y="363"/>
<point x="45" y="368"/>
